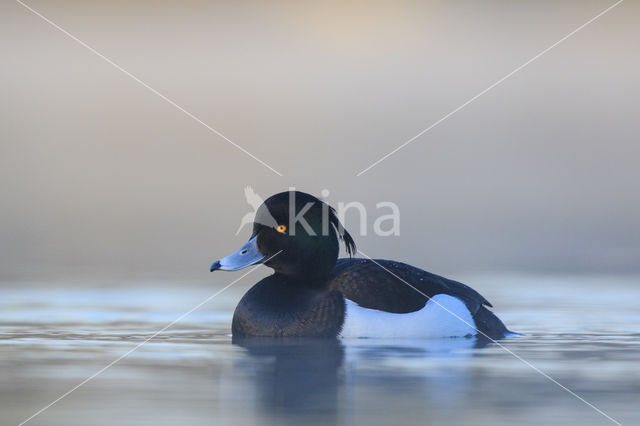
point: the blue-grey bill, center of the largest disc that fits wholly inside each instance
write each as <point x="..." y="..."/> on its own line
<point x="247" y="255"/>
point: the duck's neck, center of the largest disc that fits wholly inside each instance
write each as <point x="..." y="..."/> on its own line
<point x="311" y="275"/>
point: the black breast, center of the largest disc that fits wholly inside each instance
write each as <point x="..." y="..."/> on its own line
<point x="278" y="307"/>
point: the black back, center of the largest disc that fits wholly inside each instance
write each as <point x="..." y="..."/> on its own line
<point x="382" y="285"/>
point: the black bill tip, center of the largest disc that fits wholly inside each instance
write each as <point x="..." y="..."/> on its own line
<point x="215" y="265"/>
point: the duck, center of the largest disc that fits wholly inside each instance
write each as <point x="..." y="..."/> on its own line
<point x="314" y="293"/>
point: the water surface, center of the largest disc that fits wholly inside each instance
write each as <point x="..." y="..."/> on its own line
<point x="582" y="331"/>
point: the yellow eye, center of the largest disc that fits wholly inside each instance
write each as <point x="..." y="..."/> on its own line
<point x="281" y="228"/>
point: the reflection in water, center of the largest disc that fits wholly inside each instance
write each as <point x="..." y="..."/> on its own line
<point x="298" y="376"/>
<point x="295" y="377"/>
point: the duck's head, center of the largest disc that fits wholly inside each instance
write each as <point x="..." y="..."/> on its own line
<point x="294" y="233"/>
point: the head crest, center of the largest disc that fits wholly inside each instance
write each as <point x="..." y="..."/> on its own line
<point x="349" y="244"/>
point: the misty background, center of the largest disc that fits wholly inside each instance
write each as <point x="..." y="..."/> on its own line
<point x="102" y="179"/>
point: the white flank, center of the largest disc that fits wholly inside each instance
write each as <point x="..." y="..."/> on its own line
<point x="442" y="316"/>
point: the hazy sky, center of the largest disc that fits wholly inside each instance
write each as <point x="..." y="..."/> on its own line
<point x="99" y="175"/>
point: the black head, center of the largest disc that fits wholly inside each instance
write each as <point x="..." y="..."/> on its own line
<point x="294" y="233"/>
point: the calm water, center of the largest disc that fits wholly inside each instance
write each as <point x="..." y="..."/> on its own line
<point x="584" y="332"/>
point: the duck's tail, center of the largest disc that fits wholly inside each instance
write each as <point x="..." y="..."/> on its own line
<point x="490" y="326"/>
